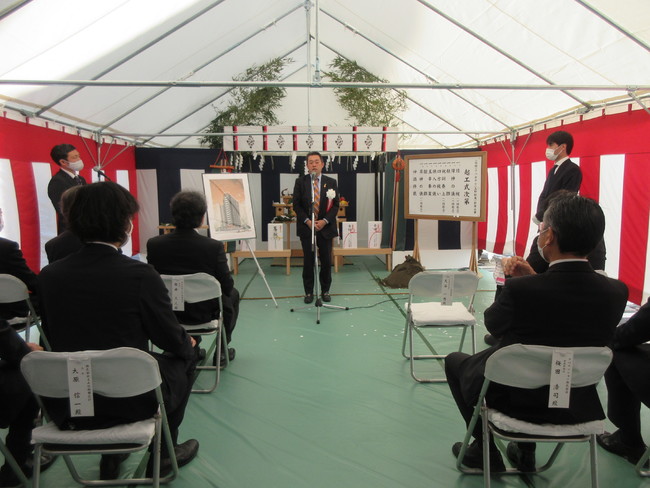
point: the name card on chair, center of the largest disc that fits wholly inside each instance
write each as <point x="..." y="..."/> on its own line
<point x="447" y="293"/>
<point x="560" y="384"/>
<point x="177" y="294"/>
<point x="80" y="388"/>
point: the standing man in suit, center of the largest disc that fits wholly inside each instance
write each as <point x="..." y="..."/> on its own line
<point x="316" y="193"/>
<point x="185" y="251"/>
<point x="628" y="387"/>
<point x="564" y="175"/>
<point x="13" y="263"/>
<point x="97" y="298"/>
<point x="68" y="158"/>
<point x="570" y="305"/>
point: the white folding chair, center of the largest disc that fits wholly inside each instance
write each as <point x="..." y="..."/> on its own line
<point x="447" y="288"/>
<point x="13" y="290"/>
<point x="116" y="373"/>
<point x="194" y="288"/>
<point x="529" y="367"/>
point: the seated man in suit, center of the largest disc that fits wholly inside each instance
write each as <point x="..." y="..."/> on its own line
<point x="13" y="263"/>
<point x="97" y="298"/>
<point x="18" y="408"/>
<point x="185" y="251"/>
<point x="66" y="242"/>
<point x="627" y="388"/>
<point x="570" y="305"/>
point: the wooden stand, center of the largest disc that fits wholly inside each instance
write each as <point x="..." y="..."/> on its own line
<point x="283" y="253"/>
<point x="339" y="252"/>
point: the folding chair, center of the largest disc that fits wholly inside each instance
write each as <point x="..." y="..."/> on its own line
<point x="13" y="290"/>
<point x="447" y="287"/>
<point x="529" y="366"/>
<point x="117" y="373"/>
<point x="642" y="466"/>
<point x="194" y="288"/>
<point x="14" y="465"/>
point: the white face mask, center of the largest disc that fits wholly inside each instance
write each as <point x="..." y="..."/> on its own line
<point x="540" y="249"/>
<point x="550" y="154"/>
<point x="2" y="222"/>
<point x="128" y="234"/>
<point x="76" y="165"/>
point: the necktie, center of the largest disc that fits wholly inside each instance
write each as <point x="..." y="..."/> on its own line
<point x="77" y="180"/>
<point x="316" y="197"/>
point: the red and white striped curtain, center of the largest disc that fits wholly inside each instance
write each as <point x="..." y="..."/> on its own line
<point x="613" y="152"/>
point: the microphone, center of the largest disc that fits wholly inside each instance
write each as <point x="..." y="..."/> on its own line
<point x="313" y="175"/>
<point x="97" y="169"/>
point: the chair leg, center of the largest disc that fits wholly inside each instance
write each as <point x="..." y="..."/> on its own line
<point x="641" y="471"/>
<point x="406" y="327"/>
<point x="593" y="461"/>
<point x="9" y="458"/>
<point x="486" y="449"/>
<point x="36" y="471"/>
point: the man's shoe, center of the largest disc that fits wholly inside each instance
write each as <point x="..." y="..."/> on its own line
<point x="474" y="457"/>
<point x="612" y="443"/>
<point x="326" y="297"/>
<point x="522" y="459"/>
<point x="109" y="466"/>
<point x="200" y="354"/>
<point x="185" y="452"/>
<point x="231" y="355"/>
<point x="47" y="460"/>
<point x="490" y="340"/>
<point x="309" y="297"/>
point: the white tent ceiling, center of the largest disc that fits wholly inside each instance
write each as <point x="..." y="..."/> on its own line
<point x="502" y="57"/>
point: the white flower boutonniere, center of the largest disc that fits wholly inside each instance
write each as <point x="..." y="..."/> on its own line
<point x="330" y="193"/>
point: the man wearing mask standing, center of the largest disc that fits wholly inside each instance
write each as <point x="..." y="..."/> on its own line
<point x="68" y="158"/>
<point x="316" y="193"/>
<point x="564" y="175"/>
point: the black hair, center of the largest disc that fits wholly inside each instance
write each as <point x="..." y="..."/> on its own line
<point x="577" y="222"/>
<point x="561" y="137"/>
<point x="61" y="152"/>
<point x="101" y="212"/>
<point x="188" y="209"/>
<point x="315" y="153"/>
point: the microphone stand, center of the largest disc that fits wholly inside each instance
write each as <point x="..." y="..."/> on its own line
<point x="318" y="302"/>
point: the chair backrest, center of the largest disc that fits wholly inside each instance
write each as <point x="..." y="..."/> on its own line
<point x="197" y="287"/>
<point x="429" y="284"/>
<point x="529" y="366"/>
<point x="118" y="373"/>
<point x="12" y="289"/>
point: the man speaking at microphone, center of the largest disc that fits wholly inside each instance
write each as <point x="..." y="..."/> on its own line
<point x="318" y="194"/>
<point x="68" y="158"/>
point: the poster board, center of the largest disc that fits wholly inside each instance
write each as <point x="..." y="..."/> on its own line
<point x="446" y="186"/>
<point x="230" y="211"/>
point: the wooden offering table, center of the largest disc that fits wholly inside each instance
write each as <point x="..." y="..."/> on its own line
<point x="283" y="253"/>
<point x="339" y="252"/>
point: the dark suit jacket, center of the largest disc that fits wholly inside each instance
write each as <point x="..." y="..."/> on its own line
<point x="62" y="245"/>
<point x="12" y="384"/>
<point x="570" y="305"/>
<point x="59" y="183"/>
<point x="567" y="177"/>
<point x="302" y="205"/>
<point x="12" y="262"/>
<point x="184" y="251"/>
<point x="100" y="299"/>
<point x="632" y="355"/>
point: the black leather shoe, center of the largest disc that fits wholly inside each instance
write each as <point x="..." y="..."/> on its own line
<point x="326" y="297"/>
<point x="612" y="443"/>
<point x="474" y="457"/>
<point x="231" y="356"/>
<point x="185" y="452"/>
<point x="490" y="340"/>
<point x="47" y="460"/>
<point x="522" y="459"/>
<point x="309" y="297"/>
<point x="109" y="466"/>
